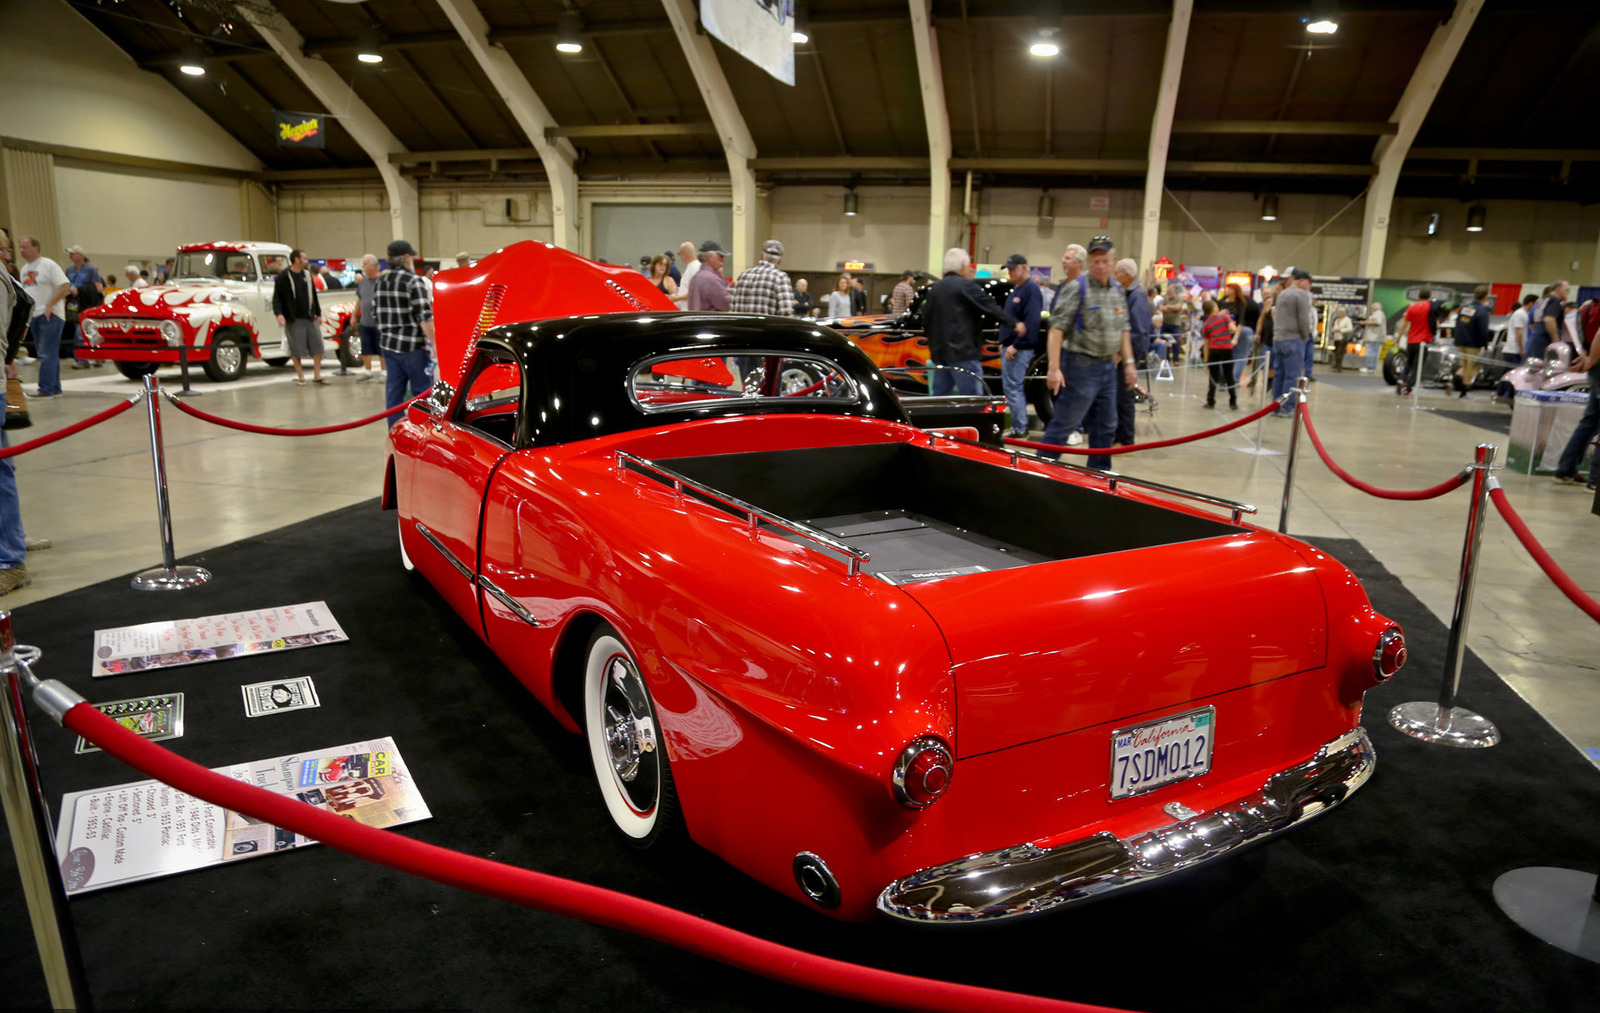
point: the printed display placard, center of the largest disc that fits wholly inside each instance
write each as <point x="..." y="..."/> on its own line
<point x="212" y="638"/>
<point x="132" y="832"/>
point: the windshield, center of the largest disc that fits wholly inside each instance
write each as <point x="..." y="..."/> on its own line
<point x="216" y="264"/>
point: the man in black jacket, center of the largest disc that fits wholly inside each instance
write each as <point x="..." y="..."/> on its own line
<point x="294" y="300"/>
<point x="953" y="317"/>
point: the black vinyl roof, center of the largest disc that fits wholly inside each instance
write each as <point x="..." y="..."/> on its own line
<point x="576" y="369"/>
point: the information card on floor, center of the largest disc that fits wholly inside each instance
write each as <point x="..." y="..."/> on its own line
<point x="132" y="832"/>
<point x="212" y="638"/>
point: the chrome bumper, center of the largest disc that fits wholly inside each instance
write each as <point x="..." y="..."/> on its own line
<point x="1027" y="879"/>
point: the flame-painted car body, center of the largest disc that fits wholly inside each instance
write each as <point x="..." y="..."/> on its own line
<point x="217" y="320"/>
<point x="786" y="680"/>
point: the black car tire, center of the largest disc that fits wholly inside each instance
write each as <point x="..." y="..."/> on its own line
<point x="230" y="353"/>
<point x="137" y="370"/>
<point x="350" y="357"/>
<point x="626" y="747"/>
<point x="1394" y="367"/>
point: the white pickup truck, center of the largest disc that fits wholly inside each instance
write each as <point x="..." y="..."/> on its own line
<point x="216" y="311"/>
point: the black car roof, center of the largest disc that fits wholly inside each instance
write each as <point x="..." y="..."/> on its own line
<point x="576" y="369"/>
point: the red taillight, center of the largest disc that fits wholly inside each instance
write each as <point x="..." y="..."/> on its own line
<point x="1390" y="655"/>
<point x="923" y="772"/>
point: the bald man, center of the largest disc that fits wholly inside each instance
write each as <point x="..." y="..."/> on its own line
<point x="689" y="254"/>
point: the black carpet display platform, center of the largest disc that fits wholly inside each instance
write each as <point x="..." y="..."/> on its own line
<point x="1384" y="905"/>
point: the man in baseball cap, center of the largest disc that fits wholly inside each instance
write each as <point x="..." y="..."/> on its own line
<point x="402" y="305"/>
<point x="1089" y="355"/>
<point x="763" y="288"/>
<point x="708" y="290"/>
<point x="1025" y="305"/>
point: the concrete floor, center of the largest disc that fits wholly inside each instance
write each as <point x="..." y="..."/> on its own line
<point x="92" y="494"/>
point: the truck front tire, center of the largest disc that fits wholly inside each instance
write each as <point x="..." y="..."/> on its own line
<point x="350" y="357"/>
<point x="229" y="354"/>
<point x="136" y="370"/>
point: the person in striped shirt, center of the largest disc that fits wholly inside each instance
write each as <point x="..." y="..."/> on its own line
<point x="1219" y="333"/>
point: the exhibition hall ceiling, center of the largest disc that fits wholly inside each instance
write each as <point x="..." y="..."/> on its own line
<point x="1253" y="83"/>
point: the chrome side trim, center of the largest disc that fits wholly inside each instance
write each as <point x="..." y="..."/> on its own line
<point x="1026" y="879"/>
<point x="505" y="599"/>
<point x="449" y="557"/>
<point x="754" y="515"/>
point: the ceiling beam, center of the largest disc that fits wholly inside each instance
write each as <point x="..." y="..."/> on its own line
<point x="357" y="118"/>
<point x="837" y="163"/>
<point x="1321" y="127"/>
<point x="463" y="155"/>
<point x="94" y="156"/>
<point x="1506" y="154"/>
<point x="633" y="130"/>
<point x="935" y="114"/>
<point x="1389" y="154"/>
<point x="557" y="155"/>
<point x="1155" y="178"/>
<point x="737" y="144"/>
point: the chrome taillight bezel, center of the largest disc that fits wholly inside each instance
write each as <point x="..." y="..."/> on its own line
<point x="915" y="749"/>
<point x="1390" y="640"/>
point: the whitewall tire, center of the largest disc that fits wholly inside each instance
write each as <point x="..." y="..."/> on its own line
<point x="625" y="743"/>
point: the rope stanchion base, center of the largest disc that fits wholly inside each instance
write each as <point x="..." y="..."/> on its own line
<point x="177" y="578"/>
<point x="1444" y="726"/>
<point x="1557" y="905"/>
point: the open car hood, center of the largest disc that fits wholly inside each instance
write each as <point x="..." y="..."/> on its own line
<point x="528" y="281"/>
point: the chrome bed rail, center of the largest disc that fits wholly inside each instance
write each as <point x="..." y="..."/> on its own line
<point x="1111" y="478"/>
<point x="754" y="515"/>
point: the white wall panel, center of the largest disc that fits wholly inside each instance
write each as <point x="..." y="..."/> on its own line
<point x="624" y="232"/>
<point x="68" y="84"/>
<point x="347" y="222"/>
<point x="120" y="218"/>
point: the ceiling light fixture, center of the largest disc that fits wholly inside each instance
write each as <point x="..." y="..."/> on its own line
<point x="367" y="47"/>
<point x="1475" y="216"/>
<point x="852" y="204"/>
<point x="568" y="27"/>
<point x="1047" y="29"/>
<point x="1269" y="208"/>
<point x="800" y="33"/>
<point x="1322" y="26"/>
<point x="1047" y="206"/>
<point x="192" y="69"/>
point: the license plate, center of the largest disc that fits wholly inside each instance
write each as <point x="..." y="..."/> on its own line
<point x="1162" y="752"/>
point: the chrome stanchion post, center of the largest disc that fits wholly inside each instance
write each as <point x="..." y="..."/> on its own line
<point x="1299" y="399"/>
<point x="1443" y="722"/>
<point x="169" y="576"/>
<point x="28" y="820"/>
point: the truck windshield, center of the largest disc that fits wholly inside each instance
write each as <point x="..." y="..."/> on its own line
<point x="216" y="264"/>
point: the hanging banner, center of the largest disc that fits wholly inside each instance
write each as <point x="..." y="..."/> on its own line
<point x="1345" y="290"/>
<point x="761" y="31"/>
<point x="301" y="130"/>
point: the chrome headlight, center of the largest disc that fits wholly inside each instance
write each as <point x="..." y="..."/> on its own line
<point x="91" y="330"/>
<point x="172" y="332"/>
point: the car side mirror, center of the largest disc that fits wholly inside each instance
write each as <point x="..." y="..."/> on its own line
<point x="438" y="400"/>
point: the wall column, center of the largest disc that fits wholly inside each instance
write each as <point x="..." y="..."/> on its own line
<point x="377" y="140"/>
<point x="937" y="117"/>
<point x="737" y="144"/>
<point x="1155" y="179"/>
<point x="530" y="113"/>
<point x="1390" y="153"/>
<point x="28" y="184"/>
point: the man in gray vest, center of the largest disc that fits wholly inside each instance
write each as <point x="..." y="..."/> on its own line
<point x="1292" y="327"/>
<point x="1089" y="355"/>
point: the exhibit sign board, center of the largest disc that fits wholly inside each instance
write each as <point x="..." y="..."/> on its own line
<point x="761" y="31"/>
<point x="1344" y="290"/>
<point x="212" y="638"/>
<point x="138" y="831"/>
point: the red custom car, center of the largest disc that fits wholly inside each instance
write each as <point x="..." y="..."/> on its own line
<point x="772" y="612"/>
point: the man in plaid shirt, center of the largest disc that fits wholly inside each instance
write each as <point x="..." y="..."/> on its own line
<point x="764" y="289"/>
<point x="402" y="309"/>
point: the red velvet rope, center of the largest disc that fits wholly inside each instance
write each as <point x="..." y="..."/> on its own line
<point x="1153" y="445"/>
<point x="552" y="893"/>
<point x="66" y="431"/>
<point x="1551" y="569"/>
<point x="1448" y="485"/>
<point x="246" y="427"/>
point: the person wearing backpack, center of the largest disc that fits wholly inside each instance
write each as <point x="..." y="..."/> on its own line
<point x="88" y="291"/>
<point x="1090" y="353"/>
<point x="1471" y="337"/>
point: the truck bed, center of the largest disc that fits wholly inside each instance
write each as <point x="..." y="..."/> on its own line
<point x="924" y="514"/>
